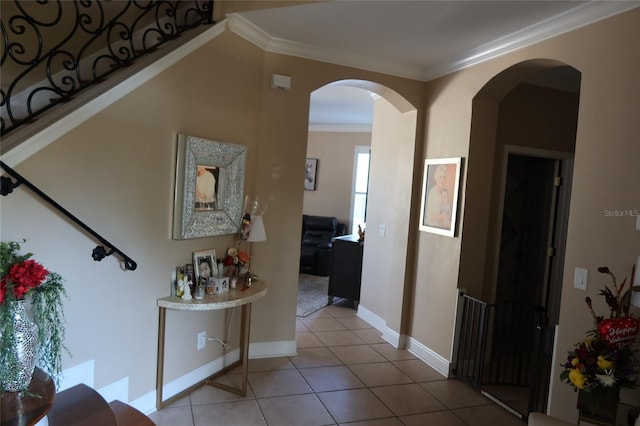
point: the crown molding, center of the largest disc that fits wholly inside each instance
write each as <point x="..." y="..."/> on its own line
<point x="580" y="16"/>
<point x="340" y="128"/>
<point x="252" y="33"/>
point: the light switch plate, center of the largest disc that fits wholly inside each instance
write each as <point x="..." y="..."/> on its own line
<point x="580" y="278"/>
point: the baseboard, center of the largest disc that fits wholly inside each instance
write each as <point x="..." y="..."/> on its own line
<point x="147" y="402"/>
<point x="431" y="358"/>
<point x="81" y="373"/>
<point x="273" y="349"/>
<point x="394" y="338"/>
<point x="117" y="390"/>
<point x="435" y="361"/>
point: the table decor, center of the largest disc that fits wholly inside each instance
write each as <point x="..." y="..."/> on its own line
<point x="26" y="342"/>
<point x="605" y="361"/>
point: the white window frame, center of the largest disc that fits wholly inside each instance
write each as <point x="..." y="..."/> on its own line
<point x="359" y="149"/>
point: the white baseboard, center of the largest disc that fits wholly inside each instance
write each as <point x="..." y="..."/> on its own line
<point x="435" y="361"/>
<point x="81" y="373"/>
<point x="117" y="390"/>
<point x="147" y="402"/>
<point x="394" y="338"/>
<point x="273" y="349"/>
<point x="431" y="358"/>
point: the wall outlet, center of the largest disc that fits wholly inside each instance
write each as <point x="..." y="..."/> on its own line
<point x="202" y="340"/>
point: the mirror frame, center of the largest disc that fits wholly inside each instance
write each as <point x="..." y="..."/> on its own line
<point x="188" y="222"/>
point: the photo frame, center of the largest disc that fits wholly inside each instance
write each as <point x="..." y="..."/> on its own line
<point x="440" y="186"/>
<point x="204" y="264"/>
<point x="209" y="186"/>
<point x="310" y="174"/>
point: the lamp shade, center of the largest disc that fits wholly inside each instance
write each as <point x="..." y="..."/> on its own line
<point x="257" y="232"/>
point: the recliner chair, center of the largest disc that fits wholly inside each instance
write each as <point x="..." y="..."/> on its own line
<point x="315" y="253"/>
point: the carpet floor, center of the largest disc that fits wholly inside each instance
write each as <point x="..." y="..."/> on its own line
<point x="312" y="294"/>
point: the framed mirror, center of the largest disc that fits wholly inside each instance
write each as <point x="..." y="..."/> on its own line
<point x="209" y="188"/>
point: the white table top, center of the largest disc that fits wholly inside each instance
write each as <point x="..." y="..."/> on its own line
<point x="234" y="297"/>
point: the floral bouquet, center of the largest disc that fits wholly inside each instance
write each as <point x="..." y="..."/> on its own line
<point x="21" y="276"/>
<point x="236" y="259"/>
<point x="605" y="359"/>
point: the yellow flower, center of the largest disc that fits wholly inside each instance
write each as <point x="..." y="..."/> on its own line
<point x="603" y="363"/>
<point x="576" y="378"/>
<point x="575" y="361"/>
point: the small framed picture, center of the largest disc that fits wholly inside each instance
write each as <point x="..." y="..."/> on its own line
<point x="203" y="263"/>
<point x="310" y="174"/>
<point x="440" y="185"/>
<point x="221" y="284"/>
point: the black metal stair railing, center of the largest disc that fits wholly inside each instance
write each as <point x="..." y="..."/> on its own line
<point x="7" y="186"/>
<point x="51" y="50"/>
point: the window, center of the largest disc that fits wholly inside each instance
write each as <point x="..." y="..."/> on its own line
<point x="360" y="188"/>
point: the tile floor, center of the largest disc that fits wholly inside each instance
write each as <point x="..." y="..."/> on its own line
<point x="344" y="374"/>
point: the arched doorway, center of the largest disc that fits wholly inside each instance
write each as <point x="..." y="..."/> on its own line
<point x="524" y="129"/>
<point x="393" y="145"/>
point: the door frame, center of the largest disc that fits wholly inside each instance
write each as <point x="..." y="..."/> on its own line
<point x="562" y="210"/>
<point x="563" y="199"/>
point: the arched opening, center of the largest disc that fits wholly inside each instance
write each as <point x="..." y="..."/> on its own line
<point x="389" y="194"/>
<point x="518" y="187"/>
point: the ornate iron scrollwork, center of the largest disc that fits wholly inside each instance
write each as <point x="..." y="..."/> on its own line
<point x="50" y="50"/>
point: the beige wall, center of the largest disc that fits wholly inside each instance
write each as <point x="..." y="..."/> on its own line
<point x="115" y="171"/>
<point x="335" y="152"/>
<point x="606" y="140"/>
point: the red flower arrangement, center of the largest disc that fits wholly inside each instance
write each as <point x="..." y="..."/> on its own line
<point x="22" y="277"/>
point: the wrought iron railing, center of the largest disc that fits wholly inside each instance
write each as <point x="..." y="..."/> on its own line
<point x="51" y="50"/>
<point x="501" y="344"/>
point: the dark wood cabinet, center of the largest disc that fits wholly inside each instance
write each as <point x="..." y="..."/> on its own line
<point x="346" y="268"/>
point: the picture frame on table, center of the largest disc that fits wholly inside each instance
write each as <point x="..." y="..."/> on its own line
<point x="440" y="187"/>
<point x="310" y="174"/>
<point x="204" y="264"/>
<point x="209" y="187"/>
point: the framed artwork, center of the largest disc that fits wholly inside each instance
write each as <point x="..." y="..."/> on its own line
<point x="310" y="174"/>
<point x="440" y="185"/>
<point x="209" y="188"/>
<point x="204" y="264"/>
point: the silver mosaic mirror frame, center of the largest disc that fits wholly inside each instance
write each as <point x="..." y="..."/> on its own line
<point x="188" y="222"/>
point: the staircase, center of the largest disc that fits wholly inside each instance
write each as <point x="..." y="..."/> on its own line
<point x="83" y="406"/>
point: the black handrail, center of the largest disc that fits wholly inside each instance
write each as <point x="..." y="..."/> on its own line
<point x="51" y="50"/>
<point x="7" y="186"/>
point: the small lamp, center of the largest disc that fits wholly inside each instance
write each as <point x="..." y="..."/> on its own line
<point x="254" y="231"/>
<point x="257" y="232"/>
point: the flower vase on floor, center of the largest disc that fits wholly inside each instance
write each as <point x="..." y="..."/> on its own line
<point x="600" y="404"/>
<point x="22" y="361"/>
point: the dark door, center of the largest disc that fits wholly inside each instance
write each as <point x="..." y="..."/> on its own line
<point x="531" y="248"/>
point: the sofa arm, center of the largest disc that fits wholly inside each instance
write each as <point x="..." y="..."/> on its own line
<point x="539" y="419"/>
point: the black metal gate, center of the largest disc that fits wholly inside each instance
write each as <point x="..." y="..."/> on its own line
<point x="501" y="347"/>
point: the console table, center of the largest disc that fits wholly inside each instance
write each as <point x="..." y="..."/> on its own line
<point x="346" y="268"/>
<point x="234" y="297"/>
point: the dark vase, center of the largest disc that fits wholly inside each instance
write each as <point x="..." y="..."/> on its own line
<point x="600" y="404"/>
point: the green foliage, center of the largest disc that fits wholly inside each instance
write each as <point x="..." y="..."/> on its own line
<point x="46" y="308"/>
<point x="47" y="303"/>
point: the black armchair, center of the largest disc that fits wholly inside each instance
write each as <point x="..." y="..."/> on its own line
<point x="315" y="252"/>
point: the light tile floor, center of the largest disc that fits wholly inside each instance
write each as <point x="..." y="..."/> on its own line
<point x="344" y="373"/>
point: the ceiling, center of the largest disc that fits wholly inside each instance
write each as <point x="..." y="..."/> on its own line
<point x="417" y="39"/>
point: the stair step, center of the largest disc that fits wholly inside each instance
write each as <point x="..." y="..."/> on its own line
<point x="129" y="416"/>
<point x="80" y="405"/>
